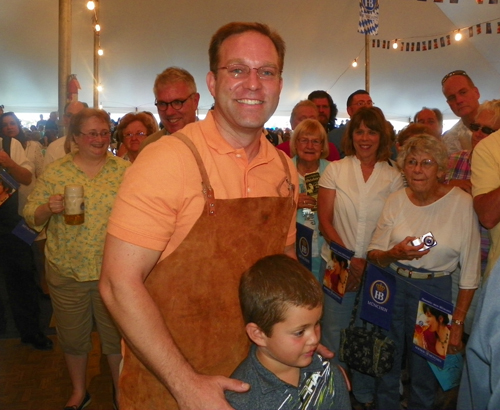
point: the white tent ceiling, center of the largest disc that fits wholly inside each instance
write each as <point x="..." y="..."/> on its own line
<point x="141" y="38"/>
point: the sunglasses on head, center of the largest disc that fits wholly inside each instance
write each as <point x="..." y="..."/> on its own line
<point x="484" y="130"/>
<point x="453" y="73"/>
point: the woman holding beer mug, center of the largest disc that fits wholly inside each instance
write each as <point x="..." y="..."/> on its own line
<point x="73" y="198"/>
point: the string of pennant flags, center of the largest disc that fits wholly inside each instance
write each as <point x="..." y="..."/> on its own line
<point x="456" y="1"/>
<point x="438" y="42"/>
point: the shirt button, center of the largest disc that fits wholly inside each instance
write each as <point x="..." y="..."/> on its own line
<point x="248" y="189"/>
<point x="238" y="155"/>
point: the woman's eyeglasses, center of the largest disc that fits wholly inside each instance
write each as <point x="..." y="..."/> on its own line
<point x="425" y="163"/>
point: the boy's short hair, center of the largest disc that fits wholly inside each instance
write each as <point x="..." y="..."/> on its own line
<point x="273" y="284"/>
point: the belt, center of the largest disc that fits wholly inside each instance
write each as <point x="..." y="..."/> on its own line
<point x="407" y="273"/>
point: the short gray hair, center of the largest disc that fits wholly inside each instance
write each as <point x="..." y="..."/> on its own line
<point x="425" y="143"/>
<point x="493" y="106"/>
<point x="173" y="75"/>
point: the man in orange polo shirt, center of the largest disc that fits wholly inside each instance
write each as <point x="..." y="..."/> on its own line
<point x="196" y="211"/>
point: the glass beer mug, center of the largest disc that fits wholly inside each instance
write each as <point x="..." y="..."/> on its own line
<point x="74" y="205"/>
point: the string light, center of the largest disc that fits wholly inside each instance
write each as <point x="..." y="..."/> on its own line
<point x="458" y="36"/>
<point x="99" y="88"/>
<point x="97" y="27"/>
<point x="355" y="63"/>
<point x="100" y="52"/>
<point x="91" y="5"/>
<point x="395" y="44"/>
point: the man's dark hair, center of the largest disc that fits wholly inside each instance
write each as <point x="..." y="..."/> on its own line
<point x="357" y="92"/>
<point x="333" y="107"/>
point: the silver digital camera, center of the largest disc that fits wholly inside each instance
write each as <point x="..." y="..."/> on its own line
<point x="427" y="239"/>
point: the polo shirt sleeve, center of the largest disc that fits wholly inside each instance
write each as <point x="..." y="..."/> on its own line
<point x="160" y="194"/>
<point x="485" y="163"/>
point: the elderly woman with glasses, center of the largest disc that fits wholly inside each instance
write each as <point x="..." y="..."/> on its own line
<point x="425" y="207"/>
<point x="133" y="130"/>
<point x="309" y="148"/>
<point x="74" y="251"/>
<point x="352" y="193"/>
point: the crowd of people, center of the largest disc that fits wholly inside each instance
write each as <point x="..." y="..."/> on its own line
<point x="175" y="213"/>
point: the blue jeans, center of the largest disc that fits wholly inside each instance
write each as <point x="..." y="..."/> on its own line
<point x="336" y="317"/>
<point x="423" y="382"/>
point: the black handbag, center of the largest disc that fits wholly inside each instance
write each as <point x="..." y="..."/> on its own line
<point x="366" y="350"/>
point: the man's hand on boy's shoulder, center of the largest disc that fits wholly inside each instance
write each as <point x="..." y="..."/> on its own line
<point x="209" y="394"/>
<point x="325" y="352"/>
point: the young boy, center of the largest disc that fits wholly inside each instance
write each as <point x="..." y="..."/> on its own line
<point x="282" y="303"/>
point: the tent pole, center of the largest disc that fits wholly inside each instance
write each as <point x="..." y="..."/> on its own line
<point x="96" y="55"/>
<point x="367" y="63"/>
<point x="64" y="65"/>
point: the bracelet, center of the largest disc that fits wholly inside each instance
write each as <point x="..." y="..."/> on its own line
<point x="457" y="322"/>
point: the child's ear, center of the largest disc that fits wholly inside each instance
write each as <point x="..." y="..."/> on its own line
<point x="256" y="334"/>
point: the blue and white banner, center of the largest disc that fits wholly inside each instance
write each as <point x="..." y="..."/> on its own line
<point x="368" y="17"/>
<point x="378" y="296"/>
<point x="303" y="245"/>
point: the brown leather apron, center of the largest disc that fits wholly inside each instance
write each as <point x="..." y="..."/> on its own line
<point x="196" y="286"/>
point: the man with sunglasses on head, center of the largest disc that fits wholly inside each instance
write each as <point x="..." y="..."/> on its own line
<point x="176" y="100"/>
<point x="463" y="98"/>
<point x="195" y="211"/>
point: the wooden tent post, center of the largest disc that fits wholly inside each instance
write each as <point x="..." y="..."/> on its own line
<point x="367" y="63"/>
<point x="64" y="68"/>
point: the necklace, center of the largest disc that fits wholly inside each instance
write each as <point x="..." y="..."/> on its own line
<point x="445" y="342"/>
<point x="343" y="282"/>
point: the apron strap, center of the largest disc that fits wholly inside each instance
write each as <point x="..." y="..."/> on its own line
<point x="287" y="180"/>
<point x="207" y="189"/>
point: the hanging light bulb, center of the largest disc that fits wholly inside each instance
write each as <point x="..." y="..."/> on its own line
<point x="97" y="27"/>
<point x="458" y="36"/>
<point x="99" y="88"/>
<point x="355" y="63"/>
<point x="100" y="52"/>
<point x="100" y="106"/>
<point x="91" y="5"/>
<point x="395" y="44"/>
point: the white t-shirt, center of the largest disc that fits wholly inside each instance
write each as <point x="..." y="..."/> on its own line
<point x="18" y="155"/>
<point x="54" y="151"/>
<point x="453" y="223"/>
<point x="358" y="204"/>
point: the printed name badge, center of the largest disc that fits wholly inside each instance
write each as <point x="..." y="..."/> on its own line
<point x="378" y="297"/>
<point x="303" y="245"/>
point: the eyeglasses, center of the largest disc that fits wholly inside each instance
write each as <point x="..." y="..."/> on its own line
<point x="95" y="134"/>
<point x="484" y="130"/>
<point x="453" y="73"/>
<point x="425" y="163"/>
<point x="137" y="134"/>
<point x="242" y="71"/>
<point x="305" y="141"/>
<point x="369" y="103"/>
<point x="176" y="104"/>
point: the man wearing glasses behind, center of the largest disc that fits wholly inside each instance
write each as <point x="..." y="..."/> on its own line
<point x="176" y="99"/>
<point x="191" y="216"/>
<point x="463" y="98"/>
